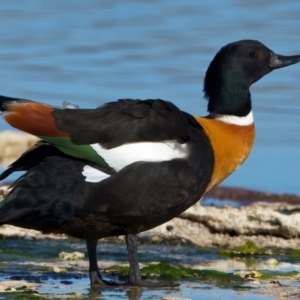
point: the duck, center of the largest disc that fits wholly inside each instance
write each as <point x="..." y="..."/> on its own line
<point x="131" y="165"/>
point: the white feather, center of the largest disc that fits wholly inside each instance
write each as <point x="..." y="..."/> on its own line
<point x="235" y="120"/>
<point x="124" y="155"/>
<point x="93" y="175"/>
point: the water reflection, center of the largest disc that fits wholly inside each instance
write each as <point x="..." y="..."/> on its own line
<point x="122" y="293"/>
<point x="134" y="294"/>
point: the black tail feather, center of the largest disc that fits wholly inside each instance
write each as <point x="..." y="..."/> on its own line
<point x="4" y="100"/>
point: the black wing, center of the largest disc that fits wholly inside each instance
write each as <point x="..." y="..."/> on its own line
<point x="125" y="121"/>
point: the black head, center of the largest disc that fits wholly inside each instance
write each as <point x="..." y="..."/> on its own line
<point x="234" y="68"/>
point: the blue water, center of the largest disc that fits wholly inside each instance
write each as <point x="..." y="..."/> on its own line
<point x="90" y="52"/>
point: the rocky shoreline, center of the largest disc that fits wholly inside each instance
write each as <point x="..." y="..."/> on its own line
<point x="266" y="223"/>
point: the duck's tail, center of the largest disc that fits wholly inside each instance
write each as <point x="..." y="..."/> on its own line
<point x="32" y="117"/>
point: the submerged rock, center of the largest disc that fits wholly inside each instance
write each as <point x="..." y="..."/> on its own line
<point x="71" y="256"/>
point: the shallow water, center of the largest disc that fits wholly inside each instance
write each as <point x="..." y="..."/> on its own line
<point x="92" y="52"/>
<point x="31" y="262"/>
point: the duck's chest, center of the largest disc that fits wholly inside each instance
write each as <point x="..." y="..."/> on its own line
<point x="231" y="145"/>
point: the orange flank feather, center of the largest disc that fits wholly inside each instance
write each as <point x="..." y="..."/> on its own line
<point x="231" y="143"/>
<point x="34" y="118"/>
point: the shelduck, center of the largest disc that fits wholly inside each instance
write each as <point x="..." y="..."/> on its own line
<point x="131" y="165"/>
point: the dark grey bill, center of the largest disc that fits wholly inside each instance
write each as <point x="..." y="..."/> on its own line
<point x="280" y="61"/>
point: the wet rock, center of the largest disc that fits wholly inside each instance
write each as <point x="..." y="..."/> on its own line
<point x="279" y="291"/>
<point x="260" y="223"/>
<point x="20" y="285"/>
<point x="71" y="256"/>
<point x="9" y="232"/>
<point x="59" y="270"/>
<point x="272" y="262"/>
<point x="249" y="274"/>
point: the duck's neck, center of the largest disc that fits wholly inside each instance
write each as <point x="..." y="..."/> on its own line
<point x="230" y="101"/>
<point x="227" y="93"/>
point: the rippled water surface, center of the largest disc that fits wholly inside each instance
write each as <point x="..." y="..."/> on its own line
<point x="90" y="52"/>
<point x="31" y="263"/>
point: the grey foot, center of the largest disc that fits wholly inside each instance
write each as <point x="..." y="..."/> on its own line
<point x="96" y="279"/>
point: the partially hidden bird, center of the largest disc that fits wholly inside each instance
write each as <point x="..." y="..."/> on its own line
<point x="131" y="165"/>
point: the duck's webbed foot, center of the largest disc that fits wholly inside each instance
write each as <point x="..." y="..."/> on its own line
<point x="96" y="279"/>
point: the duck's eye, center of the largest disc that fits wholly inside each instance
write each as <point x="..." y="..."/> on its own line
<point x="252" y="54"/>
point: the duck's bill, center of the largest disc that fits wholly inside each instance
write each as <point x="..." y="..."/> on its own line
<point x="280" y="61"/>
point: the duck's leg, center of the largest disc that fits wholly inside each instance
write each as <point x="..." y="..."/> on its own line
<point x="95" y="276"/>
<point x="135" y="278"/>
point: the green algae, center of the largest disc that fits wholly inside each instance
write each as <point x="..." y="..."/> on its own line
<point x="293" y="255"/>
<point x="167" y="272"/>
<point x="178" y="272"/>
<point x="118" y="270"/>
<point x="163" y="271"/>
<point x="248" y="249"/>
<point x="276" y="274"/>
<point x="250" y="263"/>
<point x="20" y="295"/>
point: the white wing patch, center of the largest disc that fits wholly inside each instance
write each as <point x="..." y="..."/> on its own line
<point x="124" y="155"/>
<point x="119" y="157"/>
<point x="93" y="175"/>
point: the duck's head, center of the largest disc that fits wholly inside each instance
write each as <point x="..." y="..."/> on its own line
<point x="234" y="68"/>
